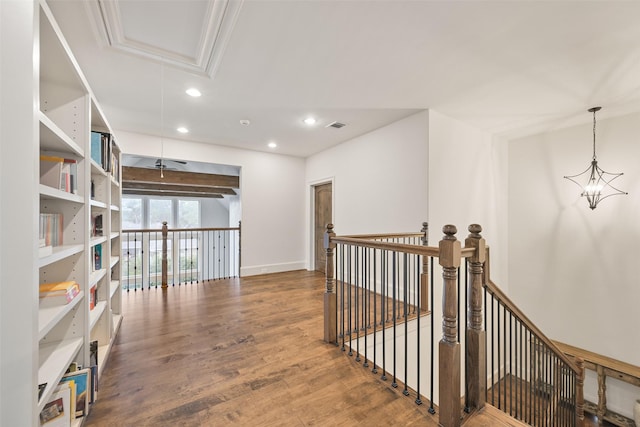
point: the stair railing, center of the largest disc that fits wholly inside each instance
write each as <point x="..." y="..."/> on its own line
<point x="378" y="306"/>
<point x="157" y="258"/>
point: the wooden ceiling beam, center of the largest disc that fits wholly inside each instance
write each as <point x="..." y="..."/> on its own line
<point x="173" y="193"/>
<point x="133" y="174"/>
<point x="129" y="185"/>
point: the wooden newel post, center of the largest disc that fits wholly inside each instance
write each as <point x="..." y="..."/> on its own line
<point x="580" y="393"/>
<point x="330" y="306"/>
<point x="475" y="353"/>
<point x="449" y="347"/>
<point x="424" y="277"/>
<point x="164" y="255"/>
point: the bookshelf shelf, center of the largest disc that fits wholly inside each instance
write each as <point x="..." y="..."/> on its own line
<point x="51" y="193"/>
<point x="96" y="169"/>
<point x="114" y="260"/>
<point x="117" y="320"/>
<point x="114" y="287"/>
<point x="54" y="360"/>
<point x="60" y="253"/>
<point x="96" y="313"/>
<point x="98" y="204"/>
<point x="115" y="208"/>
<point x="52" y="138"/>
<point x="95" y="276"/>
<point x="114" y="234"/>
<point x="48" y="317"/>
<point x="97" y="240"/>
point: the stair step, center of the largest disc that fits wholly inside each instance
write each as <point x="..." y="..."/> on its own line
<point x="490" y="416"/>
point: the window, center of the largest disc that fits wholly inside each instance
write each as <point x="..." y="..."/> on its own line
<point x="159" y="211"/>
<point x="188" y="214"/>
<point x="140" y="212"/>
<point x="132" y="214"/>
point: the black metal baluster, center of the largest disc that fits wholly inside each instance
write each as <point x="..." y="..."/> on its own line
<point x="350" y="290"/>
<point x="418" y="332"/>
<point x="375" y="310"/>
<point x="366" y="303"/>
<point x="394" y="265"/>
<point x="499" y="365"/>
<point x="493" y="350"/>
<point x="342" y="271"/>
<point x="383" y="312"/>
<point x="356" y="300"/>
<point x="406" y="323"/>
<point x="510" y="364"/>
<point x="432" y="410"/>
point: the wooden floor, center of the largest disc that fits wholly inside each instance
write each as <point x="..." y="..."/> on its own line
<point x="246" y="352"/>
<point x="243" y="352"/>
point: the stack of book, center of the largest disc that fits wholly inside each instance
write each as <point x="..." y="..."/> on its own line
<point x="59" y="173"/>
<point x="71" y="398"/>
<point x="60" y="293"/>
<point x="51" y="229"/>
<point x="101" y="149"/>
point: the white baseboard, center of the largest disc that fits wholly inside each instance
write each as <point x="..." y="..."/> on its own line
<point x="272" y="268"/>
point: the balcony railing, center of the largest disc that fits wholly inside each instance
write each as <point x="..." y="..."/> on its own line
<point x="156" y="257"/>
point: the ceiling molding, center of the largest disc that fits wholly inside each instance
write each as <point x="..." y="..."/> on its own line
<point x="219" y="21"/>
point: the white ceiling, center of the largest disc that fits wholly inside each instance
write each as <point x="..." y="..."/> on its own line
<point x="509" y="67"/>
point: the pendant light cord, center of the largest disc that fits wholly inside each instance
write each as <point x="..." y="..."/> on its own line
<point x="162" y="119"/>
<point x="594" y="135"/>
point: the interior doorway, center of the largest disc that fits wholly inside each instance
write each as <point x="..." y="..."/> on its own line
<point x="322" y="216"/>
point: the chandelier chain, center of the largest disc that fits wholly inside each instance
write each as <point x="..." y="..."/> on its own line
<point x="594" y="135"/>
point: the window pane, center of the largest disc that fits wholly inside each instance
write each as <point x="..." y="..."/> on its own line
<point x="131" y="213"/>
<point x="188" y="214"/>
<point x="159" y="210"/>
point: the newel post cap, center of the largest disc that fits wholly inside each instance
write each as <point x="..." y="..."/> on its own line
<point x="450" y="250"/>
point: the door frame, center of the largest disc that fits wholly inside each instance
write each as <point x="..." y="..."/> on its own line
<point x="312" y="208"/>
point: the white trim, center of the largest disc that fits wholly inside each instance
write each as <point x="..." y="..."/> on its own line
<point x="272" y="268"/>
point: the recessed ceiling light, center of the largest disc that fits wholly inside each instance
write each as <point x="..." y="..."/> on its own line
<point x="309" y="121"/>
<point x="272" y="145"/>
<point x="245" y="122"/>
<point x="193" y="92"/>
<point x="183" y="129"/>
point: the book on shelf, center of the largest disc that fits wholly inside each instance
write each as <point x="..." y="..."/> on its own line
<point x="57" y="412"/>
<point x="96" y="255"/>
<point x="96" y="225"/>
<point x="51" y="229"/>
<point x="82" y="381"/>
<point x="59" y="173"/>
<point x="60" y="293"/>
<point x="93" y="297"/>
<point x="101" y="149"/>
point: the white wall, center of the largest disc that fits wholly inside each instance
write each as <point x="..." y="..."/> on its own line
<point x="380" y="180"/>
<point x="272" y="197"/>
<point x="573" y="270"/>
<point x="467" y="185"/>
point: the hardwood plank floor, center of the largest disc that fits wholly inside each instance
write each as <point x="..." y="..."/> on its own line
<point x="240" y="352"/>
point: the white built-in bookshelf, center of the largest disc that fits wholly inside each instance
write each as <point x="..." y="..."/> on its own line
<point x="90" y="207"/>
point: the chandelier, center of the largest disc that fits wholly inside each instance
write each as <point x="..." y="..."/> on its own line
<point x="598" y="182"/>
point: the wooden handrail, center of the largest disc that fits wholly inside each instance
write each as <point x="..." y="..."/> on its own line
<point x="158" y="230"/>
<point x="399" y="247"/>
<point x="513" y="309"/>
<point x="384" y="235"/>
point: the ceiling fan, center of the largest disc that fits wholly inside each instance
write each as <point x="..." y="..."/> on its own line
<point x="162" y="164"/>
